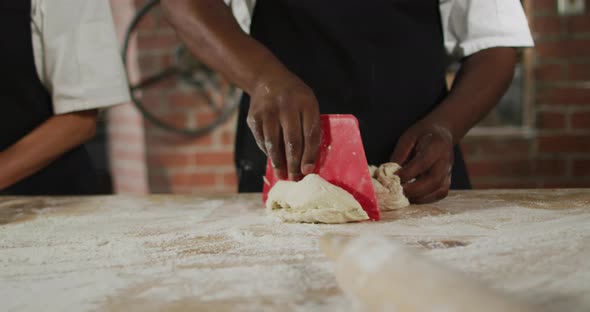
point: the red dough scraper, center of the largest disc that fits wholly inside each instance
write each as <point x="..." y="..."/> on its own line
<point x="342" y="162"/>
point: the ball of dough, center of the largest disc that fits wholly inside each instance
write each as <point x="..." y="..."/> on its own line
<point x="388" y="188"/>
<point x="313" y="200"/>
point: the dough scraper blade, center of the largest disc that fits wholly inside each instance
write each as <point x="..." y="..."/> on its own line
<point x="341" y="161"/>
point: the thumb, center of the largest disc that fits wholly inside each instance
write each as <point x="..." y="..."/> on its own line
<point x="403" y="150"/>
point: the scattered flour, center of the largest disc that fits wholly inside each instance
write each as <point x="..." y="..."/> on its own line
<point x="191" y="253"/>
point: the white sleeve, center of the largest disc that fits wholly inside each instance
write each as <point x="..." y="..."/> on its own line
<point x="473" y="25"/>
<point x="82" y="65"/>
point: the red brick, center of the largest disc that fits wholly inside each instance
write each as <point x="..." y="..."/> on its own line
<point x="551" y="120"/>
<point x="544" y="5"/>
<point x="174" y="119"/>
<point x="129" y="175"/>
<point x="193" y="179"/>
<point x="205" y="140"/>
<point x="149" y="64"/>
<point x="164" y="27"/>
<point x="498" y="146"/>
<point x="579" y="72"/>
<point x="565" y="144"/>
<point x="550" y="72"/>
<point x="157" y="41"/>
<point x="170" y="160"/>
<point x="168" y="60"/>
<point x="149" y="93"/>
<point x="127" y="154"/>
<point x="126" y="137"/>
<point x="128" y="188"/>
<point x="180" y="179"/>
<point x="155" y="105"/>
<point x="214" y="158"/>
<point x="123" y="118"/>
<point x="161" y="137"/>
<point x="230" y="179"/>
<point x="510" y="171"/>
<point x="468" y="148"/>
<point x="228" y="189"/>
<point x="508" y="184"/>
<point x="546" y="24"/>
<point x="516" y="168"/>
<point x="563" y="48"/>
<point x="203" y="179"/>
<point x="205" y="118"/>
<point x="578" y="23"/>
<point x="566" y="184"/>
<point x="482" y="168"/>
<point x="564" y="96"/>
<point x="581" y="168"/>
<point x="549" y="167"/>
<point x="228" y="138"/>
<point x="499" y="168"/>
<point x="184" y="100"/>
<point x="165" y="85"/>
<point x="580" y="120"/>
<point x="147" y="23"/>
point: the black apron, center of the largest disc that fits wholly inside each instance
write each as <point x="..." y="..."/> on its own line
<point x="380" y="60"/>
<point x="25" y="104"/>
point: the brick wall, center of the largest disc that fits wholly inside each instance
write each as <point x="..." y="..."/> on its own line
<point x="553" y="152"/>
<point x="556" y="150"/>
<point x="148" y="159"/>
<point x="125" y="125"/>
<point x="176" y="163"/>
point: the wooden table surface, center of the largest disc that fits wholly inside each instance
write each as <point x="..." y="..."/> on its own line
<point x="194" y="253"/>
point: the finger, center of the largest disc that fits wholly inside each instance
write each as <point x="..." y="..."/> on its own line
<point x="437" y="195"/>
<point x="312" y="134"/>
<point x="427" y="152"/>
<point x="273" y="144"/>
<point x="403" y="149"/>
<point x="428" y="183"/>
<point x="293" y="141"/>
<point x="255" y="125"/>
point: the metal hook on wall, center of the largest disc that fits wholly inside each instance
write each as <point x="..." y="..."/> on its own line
<point x="187" y="69"/>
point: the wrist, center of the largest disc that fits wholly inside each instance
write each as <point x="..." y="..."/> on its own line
<point x="265" y="69"/>
<point x="267" y="79"/>
<point x="440" y="127"/>
<point x="447" y="123"/>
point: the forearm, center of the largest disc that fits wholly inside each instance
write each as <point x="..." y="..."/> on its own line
<point x="478" y="86"/>
<point x="212" y="34"/>
<point x="45" y="144"/>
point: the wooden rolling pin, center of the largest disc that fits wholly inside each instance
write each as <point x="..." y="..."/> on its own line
<point x="381" y="275"/>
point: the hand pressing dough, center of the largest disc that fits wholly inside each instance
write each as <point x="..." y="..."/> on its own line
<point x="388" y="189"/>
<point x="313" y="200"/>
<point x="381" y="275"/>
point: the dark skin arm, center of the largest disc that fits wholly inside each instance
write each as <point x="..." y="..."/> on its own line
<point x="284" y="113"/>
<point x="56" y="136"/>
<point x="425" y="151"/>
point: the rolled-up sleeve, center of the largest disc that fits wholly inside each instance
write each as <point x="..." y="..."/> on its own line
<point x="82" y="66"/>
<point x="473" y="25"/>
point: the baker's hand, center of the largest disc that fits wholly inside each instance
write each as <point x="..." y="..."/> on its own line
<point x="285" y="119"/>
<point x="425" y="153"/>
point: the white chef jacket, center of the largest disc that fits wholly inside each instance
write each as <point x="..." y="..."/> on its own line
<point x="77" y="54"/>
<point x="469" y="26"/>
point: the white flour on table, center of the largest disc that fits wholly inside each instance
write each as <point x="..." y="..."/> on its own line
<point x="166" y="253"/>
